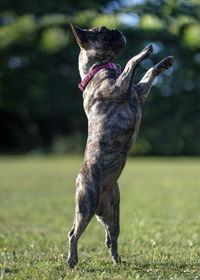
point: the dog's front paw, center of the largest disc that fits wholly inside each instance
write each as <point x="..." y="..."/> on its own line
<point x="148" y="50"/>
<point x="164" y="64"/>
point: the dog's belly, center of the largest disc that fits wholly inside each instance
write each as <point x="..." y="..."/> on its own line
<point x="112" y="129"/>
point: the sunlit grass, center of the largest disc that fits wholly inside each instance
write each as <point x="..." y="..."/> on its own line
<point x="160" y="220"/>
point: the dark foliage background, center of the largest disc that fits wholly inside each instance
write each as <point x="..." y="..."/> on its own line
<point x="40" y="104"/>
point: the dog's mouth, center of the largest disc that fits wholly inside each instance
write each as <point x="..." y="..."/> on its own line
<point x="122" y="41"/>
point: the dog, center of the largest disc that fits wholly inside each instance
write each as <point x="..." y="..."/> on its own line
<point x="112" y="103"/>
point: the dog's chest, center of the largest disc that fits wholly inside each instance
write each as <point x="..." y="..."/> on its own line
<point x="111" y="122"/>
<point x="108" y="121"/>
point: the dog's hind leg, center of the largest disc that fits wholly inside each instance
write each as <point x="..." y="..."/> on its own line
<point x="87" y="198"/>
<point x="143" y="87"/>
<point x="108" y="215"/>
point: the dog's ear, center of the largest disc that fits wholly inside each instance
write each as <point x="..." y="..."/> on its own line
<point x="80" y="35"/>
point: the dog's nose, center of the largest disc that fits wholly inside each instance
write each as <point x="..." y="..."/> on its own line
<point x="104" y="29"/>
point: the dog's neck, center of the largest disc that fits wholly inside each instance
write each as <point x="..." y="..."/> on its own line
<point x="88" y="62"/>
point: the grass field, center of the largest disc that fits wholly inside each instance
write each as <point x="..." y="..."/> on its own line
<point x="160" y="220"/>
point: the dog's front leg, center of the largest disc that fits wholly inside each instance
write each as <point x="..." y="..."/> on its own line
<point x="124" y="83"/>
<point x="143" y="87"/>
<point x="125" y="80"/>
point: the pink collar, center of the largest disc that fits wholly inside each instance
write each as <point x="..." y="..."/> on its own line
<point x="89" y="76"/>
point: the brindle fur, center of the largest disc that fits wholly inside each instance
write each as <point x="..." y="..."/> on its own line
<point x="112" y="103"/>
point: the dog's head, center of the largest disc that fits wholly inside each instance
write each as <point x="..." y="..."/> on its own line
<point x="101" y="43"/>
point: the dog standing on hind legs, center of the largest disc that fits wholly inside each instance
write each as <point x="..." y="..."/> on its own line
<point x="112" y="103"/>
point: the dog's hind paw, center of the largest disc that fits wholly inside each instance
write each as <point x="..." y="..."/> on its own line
<point x="72" y="263"/>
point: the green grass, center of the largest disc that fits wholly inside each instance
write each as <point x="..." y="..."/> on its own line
<point x="160" y="220"/>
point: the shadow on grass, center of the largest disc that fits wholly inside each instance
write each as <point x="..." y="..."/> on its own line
<point x="8" y="270"/>
<point x="143" y="267"/>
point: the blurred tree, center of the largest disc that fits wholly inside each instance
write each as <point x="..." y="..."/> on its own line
<point x="40" y="103"/>
<point x="171" y="115"/>
<point x="38" y="95"/>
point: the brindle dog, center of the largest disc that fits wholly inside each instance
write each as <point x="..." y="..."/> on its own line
<point x="112" y="103"/>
